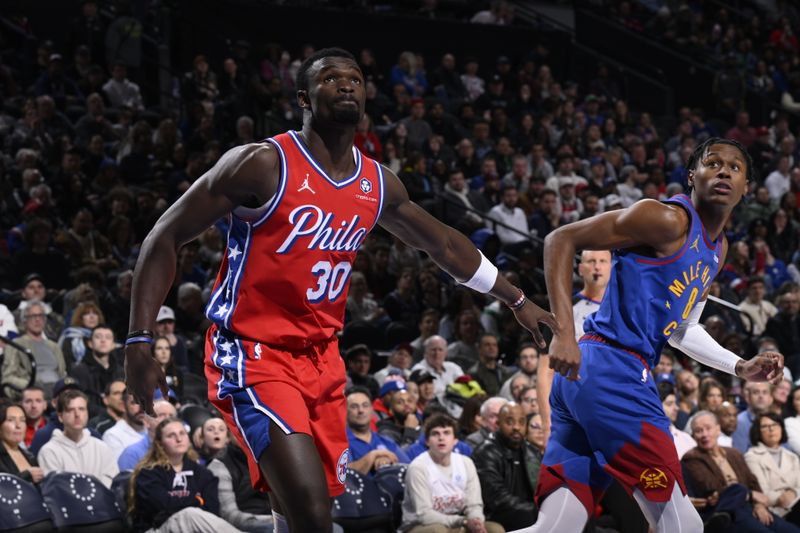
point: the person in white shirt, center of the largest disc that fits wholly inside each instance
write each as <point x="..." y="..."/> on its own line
<point x="128" y="430"/>
<point x="433" y="362"/>
<point x="727" y="414"/>
<point x="507" y="212"/>
<point x="122" y="92"/>
<point x="683" y="441"/>
<point x="73" y="449"/>
<point x="757" y="309"/>
<point x="779" y="180"/>
<point x="595" y="269"/>
<point x="8" y="326"/>
<point x="443" y="491"/>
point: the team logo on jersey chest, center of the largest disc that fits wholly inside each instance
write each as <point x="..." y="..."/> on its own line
<point x="365" y="185"/>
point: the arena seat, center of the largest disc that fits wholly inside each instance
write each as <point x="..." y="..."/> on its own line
<point x="80" y="503"/>
<point x="363" y="507"/>
<point x="392" y="481"/>
<point x="24" y="510"/>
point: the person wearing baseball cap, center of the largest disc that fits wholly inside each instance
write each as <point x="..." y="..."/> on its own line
<point x="402" y="424"/>
<point x="165" y="327"/>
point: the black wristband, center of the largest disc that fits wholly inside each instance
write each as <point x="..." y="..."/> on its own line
<point x="140" y="333"/>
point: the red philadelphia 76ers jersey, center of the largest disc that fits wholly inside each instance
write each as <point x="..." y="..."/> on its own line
<point x="285" y="275"/>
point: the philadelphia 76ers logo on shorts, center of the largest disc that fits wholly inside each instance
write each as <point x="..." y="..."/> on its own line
<point x="366" y="186"/>
<point x="341" y="466"/>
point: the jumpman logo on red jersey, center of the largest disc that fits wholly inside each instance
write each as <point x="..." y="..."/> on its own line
<point x="305" y="186"/>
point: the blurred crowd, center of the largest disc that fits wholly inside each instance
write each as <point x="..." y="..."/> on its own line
<point x="502" y="150"/>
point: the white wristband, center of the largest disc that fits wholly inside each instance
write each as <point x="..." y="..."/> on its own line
<point x="484" y="278"/>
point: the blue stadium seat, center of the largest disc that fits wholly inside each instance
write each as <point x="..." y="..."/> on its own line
<point x="79" y="502"/>
<point x="392" y="481"/>
<point x="23" y="509"/>
<point x="363" y="506"/>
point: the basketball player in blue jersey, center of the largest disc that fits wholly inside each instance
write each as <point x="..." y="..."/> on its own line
<point x="606" y="417"/>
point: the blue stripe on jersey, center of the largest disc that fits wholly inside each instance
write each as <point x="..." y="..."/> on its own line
<point x="647" y="298"/>
<point x="307" y="155"/>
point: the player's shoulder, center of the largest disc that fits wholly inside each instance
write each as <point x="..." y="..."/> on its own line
<point x="672" y="220"/>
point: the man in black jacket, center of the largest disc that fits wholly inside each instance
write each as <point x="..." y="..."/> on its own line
<point x="402" y="426"/>
<point x="503" y="467"/>
<point x="98" y="368"/>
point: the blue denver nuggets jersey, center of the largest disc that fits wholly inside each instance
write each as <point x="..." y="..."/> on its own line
<point x="647" y="297"/>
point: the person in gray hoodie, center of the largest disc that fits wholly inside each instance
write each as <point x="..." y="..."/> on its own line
<point x="73" y="449"/>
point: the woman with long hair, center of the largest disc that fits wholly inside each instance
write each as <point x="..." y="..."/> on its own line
<point x="712" y="394"/>
<point x="74" y="338"/>
<point x="169" y="491"/>
<point x="162" y="352"/>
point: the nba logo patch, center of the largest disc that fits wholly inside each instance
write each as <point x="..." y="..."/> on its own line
<point x="366" y="186"/>
<point x="341" y="466"/>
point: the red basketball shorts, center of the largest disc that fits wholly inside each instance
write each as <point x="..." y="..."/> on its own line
<point x="255" y="385"/>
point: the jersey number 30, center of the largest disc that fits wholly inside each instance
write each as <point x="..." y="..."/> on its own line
<point x="331" y="280"/>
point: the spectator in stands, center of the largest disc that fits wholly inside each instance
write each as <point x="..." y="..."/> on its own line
<point x="401" y="304"/>
<point x="134" y="453"/>
<point x="509" y="214"/>
<point x="463" y="351"/>
<point x="129" y="429"/>
<point x="121" y="92"/>
<point x="489" y="413"/>
<point x="488" y="371"/>
<point x="688" y="391"/>
<point x="776" y="468"/>
<point x="165" y="327"/>
<point x="426" y="389"/>
<point x="442" y="487"/>
<point x="428" y="326"/>
<point x="433" y="362"/>
<point x="74" y="339"/>
<point x="712" y="394"/>
<point x="778" y="182"/>
<point x="114" y="407"/>
<point x="34" y="405"/>
<point x="99" y="368"/>
<point x="239" y="503"/>
<point x="527" y="362"/>
<point x="73" y="449"/>
<point x="170" y="492"/>
<point x="784" y="327"/>
<point x="459" y="204"/>
<point x="358" y="359"/>
<point x="780" y="396"/>
<point x="14" y="458"/>
<point x="759" y="400"/>
<point x="683" y="441"/>
<point x="726" y="414"/>
<point x="503" y="465"/>
<point x="756" y="307"/>
<point x="50" y="366"/>
<point x="369" y="451"/>
<point x="399" y="361"/>
<point x="402" y="424"/>
<point x="211" y="440"/>
<point x="546" y="217"/>
<point x="361" y="306"/>
<point x="162" y="352"/>
<point x="721" y="481"/>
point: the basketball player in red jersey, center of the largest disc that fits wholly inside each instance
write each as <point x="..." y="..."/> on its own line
<point x="299" y="207"/>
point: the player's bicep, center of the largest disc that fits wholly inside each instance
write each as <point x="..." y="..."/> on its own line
<point x="645" y="223"/>
<point x="241" y="174"/>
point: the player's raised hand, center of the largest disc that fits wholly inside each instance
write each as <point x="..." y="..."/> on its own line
<point x="143" y="374"/>
<point x="565" y="357"/>
<point x="531" y="315"/>
<point x="766" y="366"/>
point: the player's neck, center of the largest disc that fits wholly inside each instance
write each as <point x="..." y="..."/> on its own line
<point x="332" y="147"/>
<point x="593" y="293"/>
<point x="714" y="217"/>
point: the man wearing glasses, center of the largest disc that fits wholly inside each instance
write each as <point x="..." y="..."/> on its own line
<point x="50" y="365"/>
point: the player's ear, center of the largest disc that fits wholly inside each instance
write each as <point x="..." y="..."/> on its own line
<point x="690" y="178"/>
<point x="303" y="101"/>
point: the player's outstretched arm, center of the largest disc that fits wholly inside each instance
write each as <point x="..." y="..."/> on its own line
<point x="243" y="174"/>
<point x="692" y="339"/>
<point x="455" y="254"/>
<point x="659" y="228"/>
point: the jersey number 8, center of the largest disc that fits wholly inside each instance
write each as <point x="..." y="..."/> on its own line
<point x="331" y="280"/>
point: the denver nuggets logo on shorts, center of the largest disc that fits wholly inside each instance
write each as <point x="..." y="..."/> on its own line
<point x="366" y="186"/>
<point x="341" y="466"/>
<point x="653" y="478"/>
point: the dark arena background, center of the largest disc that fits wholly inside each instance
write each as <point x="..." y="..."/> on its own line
<point x="506" y="120"/>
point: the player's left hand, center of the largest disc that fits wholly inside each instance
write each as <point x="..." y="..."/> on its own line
<point x="766" y="366"/>
<point x="531" y="315"/>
